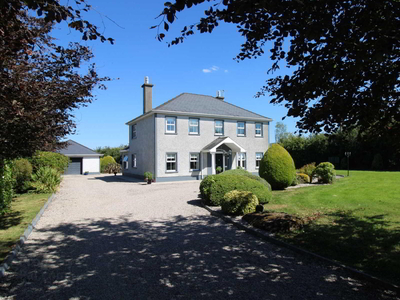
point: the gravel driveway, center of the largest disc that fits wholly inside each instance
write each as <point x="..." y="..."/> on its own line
<point x="105" y="238"/>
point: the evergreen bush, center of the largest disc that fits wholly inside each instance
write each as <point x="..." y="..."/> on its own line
<point x="22" y="172"/>
<point x="104" y="161"/>
<point x="239" y="202"/>
<point x="277" y="167"/>
<point x="302" y="178"/>
<point x="247" y="174"/>
<point x="6" y="186"/>
<point x="308" y="170"/>
<point x="325" y="172"/>
<point x="218" y="186"/>
<point x="49" y="159"/>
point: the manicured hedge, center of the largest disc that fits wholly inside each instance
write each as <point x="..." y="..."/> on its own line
<point x="325" y="172"/>
<point x="239" y="203"/>
<point x="213" y="189"/>
<point x="247" y="174"/>
<point x="277" y="167"/>
<point x="104" y="161"/>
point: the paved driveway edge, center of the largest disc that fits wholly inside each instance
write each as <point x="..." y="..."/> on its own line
<point x="239" y="223"/>
<point x="7" y="262"/>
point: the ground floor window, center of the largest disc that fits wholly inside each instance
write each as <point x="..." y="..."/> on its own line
<point x="259" y="156"/>
<point x="134" y="160"/>
<point x="194" y="161"/>
<point x="241" y="160"/>
<point x="171" y="162"/>
<point x="126" y="162"/>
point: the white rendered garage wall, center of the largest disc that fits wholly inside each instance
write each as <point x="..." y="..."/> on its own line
<point x="91" y="164"/>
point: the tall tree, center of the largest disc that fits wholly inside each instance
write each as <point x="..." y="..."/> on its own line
<point x="345" y="56"/>
<point x="280" y="132"/>
<point x="40" y="84"/>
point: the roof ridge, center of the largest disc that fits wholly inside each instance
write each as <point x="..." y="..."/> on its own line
<point x="82" y="146"/>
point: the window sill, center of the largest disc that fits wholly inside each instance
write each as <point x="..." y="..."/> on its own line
<point x="171" y="172"/>
<point x="218" y="134"/>
<point x="195" y="134"/>
<point x="241" y="135"/>
<point x="170" y="133"/>
<point x="259" y="136"/>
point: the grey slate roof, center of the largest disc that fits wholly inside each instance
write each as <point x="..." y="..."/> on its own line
<point x="202" y="104"/>
<point x="75" y="148"/>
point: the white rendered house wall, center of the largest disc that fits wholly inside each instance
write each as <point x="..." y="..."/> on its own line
<point x="91" y="164"/>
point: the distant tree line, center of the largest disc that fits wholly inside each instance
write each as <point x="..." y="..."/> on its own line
<point x="112" y="151"/>
<point x="368" y="151"/>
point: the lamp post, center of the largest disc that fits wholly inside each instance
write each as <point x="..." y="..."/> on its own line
<point x="348" y="164"/>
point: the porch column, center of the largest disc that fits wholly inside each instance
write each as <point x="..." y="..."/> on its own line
<point x="223" y="163"/>
<point x="212" y="163"/>
<point x="201" y="165"/>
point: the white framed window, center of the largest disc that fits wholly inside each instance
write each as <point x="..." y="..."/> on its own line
<point x="258" y="127"/>
<point x="134" y="131"/>
<point x="241" y="160"/>
<point x="134" y="160"/>
<point x="126" y="162"/>
<point x="259" y="156"/>
<point x="241" y="128"/>
<point x="219" y="127"/>
<point x="171" y="162"/>
<point x="194" y="161"/>
<point x="170" y="124"/>
<point x="194" y="126"/>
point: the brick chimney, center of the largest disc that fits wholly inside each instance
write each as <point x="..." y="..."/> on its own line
<point x="220" y="95"/>
<point x="147" y="95"/>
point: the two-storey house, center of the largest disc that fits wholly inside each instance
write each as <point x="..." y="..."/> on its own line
<point x="191" y="135"/>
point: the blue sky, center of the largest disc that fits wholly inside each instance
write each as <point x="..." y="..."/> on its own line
<point x="203" y="64"/>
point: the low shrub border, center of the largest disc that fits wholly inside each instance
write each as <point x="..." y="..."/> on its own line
<point x="7" y="262"/>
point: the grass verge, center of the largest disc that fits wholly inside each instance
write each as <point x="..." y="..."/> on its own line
<point x="24" y="209"/>
<point x="355" y="221"/>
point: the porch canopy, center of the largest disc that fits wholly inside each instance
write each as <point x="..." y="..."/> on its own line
<point x="212" y="147"/>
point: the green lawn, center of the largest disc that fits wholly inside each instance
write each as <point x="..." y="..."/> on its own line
<point x="12" y="225"/>
<point x="355" y="221"/>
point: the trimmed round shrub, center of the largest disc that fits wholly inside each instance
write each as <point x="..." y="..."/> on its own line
<point x="46" y="180"/>
<point x="220" y="185"/>
<point x="205" y="187"/>
<point x="325" y="172"/>
<point x="247" y="174"/>
<point x="277" y="167"/>
<point x="50" y="159"/>
<point x="308" y="170"/>
<point x="22" y="172"/>
<point x="377" y="163"/>
<point x="302" y="178"/>
<point x="239" y="203"/>
<point x="104" y="161"/>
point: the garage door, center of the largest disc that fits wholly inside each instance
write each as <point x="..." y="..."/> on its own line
<point x="75" y="166"/>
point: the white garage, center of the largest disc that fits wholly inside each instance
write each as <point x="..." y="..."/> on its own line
<point x="82" y="159"/>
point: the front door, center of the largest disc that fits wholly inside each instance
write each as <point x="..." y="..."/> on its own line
<point x="219" y="161"/>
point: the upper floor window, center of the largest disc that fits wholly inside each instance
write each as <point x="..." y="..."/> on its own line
<point x="259" y="129"/>
<point x="134" y="131"/>
<point x="241" y="128"/>
<point x="194" y="161"/>
<point x="219" y="127"/>
<point x="259" y="156"/>
<point x="171" y="162"/>
<point x="241" y="160"/>
<point x="194" y="126"/>
<point x="133" y="160"/>
<point x="170" y="124"/>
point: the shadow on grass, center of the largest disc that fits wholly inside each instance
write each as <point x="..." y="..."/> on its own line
<point x="364" y="243"/>
<point x="180" y="258"/>
<point x="10" y="219"/>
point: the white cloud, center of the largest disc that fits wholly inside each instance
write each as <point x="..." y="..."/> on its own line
<point x="212" y="69"/>
<point x="226" y="71"/>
